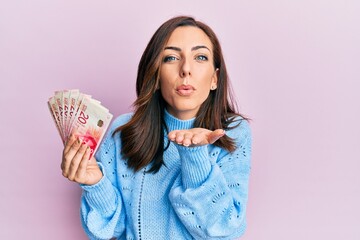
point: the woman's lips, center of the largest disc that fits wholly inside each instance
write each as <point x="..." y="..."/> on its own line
<point x="185" y="90"/>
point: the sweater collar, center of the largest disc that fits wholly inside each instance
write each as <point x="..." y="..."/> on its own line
<point x="174" y="123"/>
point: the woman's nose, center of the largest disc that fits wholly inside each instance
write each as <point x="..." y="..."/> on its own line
<point x="185" y="69"/>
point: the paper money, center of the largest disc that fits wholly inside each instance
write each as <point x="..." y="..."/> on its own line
<point x="76" y="113"/>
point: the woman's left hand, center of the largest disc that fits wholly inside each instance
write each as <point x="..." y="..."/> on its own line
<point x="195" y="136"/>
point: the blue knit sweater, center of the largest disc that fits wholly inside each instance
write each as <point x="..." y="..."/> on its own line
<point x="200" y="193"/>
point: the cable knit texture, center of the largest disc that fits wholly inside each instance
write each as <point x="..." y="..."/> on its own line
<point x="200" y="192"/>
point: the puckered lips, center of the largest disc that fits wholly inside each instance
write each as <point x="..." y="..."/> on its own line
<point x="185" y="90"/>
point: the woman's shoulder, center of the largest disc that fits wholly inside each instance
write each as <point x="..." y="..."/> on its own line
<point x="239" y="126"/>
<point x="120" y="120"/>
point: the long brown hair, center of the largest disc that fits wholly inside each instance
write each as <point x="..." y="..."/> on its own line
<point x="143" y="136"/>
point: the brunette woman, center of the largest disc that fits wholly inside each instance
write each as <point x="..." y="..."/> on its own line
<point x="178" y="166"/>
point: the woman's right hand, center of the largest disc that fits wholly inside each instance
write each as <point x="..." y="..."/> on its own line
<point x="76" y="165"/>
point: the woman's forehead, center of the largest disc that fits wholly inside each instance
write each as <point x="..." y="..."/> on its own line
<point x="188" y="37"/>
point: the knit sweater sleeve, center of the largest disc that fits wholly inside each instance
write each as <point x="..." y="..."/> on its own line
<point x="102" y="213"/>
<point x="210" y="195"/>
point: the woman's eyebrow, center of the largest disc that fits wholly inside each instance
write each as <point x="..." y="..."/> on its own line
<point x="192" y="49"/>
<point x="173" y="48"/>
<point x="198" y="47"/>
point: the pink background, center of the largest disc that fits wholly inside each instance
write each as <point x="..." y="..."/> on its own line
<point x="295" y="68"/>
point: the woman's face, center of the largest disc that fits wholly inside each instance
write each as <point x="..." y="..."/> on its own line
<point x="187" y="73"/>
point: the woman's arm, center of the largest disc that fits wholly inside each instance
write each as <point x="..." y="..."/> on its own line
<point x="102" y="213"/>
<point x="210" y="195"/>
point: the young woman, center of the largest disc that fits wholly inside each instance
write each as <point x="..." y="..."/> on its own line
<point x="178" y="166"/>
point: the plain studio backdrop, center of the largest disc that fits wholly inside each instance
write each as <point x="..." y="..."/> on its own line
<point x="295" y="70"/>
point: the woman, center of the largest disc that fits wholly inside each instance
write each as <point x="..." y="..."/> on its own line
<point x="169" y="170"/>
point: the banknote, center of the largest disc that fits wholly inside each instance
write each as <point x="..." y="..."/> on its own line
<point x="77" y="113"/>
<point x="56" y="116"/>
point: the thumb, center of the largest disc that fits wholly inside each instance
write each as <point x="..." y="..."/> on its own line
<point x="215" y="135"/>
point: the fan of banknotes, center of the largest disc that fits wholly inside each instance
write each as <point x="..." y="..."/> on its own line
<point x="78" y="113"/>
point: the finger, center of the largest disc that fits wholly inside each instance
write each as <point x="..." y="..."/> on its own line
<point x="74" y="165"/>
<point x="179" y="137"/>
<point x="197" y="139"/>
<point x="215" y="135"/>
<point x="172" y="135"/>
<point x="68" y="156"/>
<point x="69" y="142"/>
<point x="81" y="171"/>
<point x="187" y="139"/>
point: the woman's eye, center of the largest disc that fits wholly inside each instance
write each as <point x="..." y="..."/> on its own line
<point x="169" y="59"/>
<point x="202" y="58"/>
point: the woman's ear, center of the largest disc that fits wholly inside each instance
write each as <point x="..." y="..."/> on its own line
<point x="214" y="79"/>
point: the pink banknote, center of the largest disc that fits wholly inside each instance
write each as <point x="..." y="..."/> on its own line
<point x="78" y="113"/>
